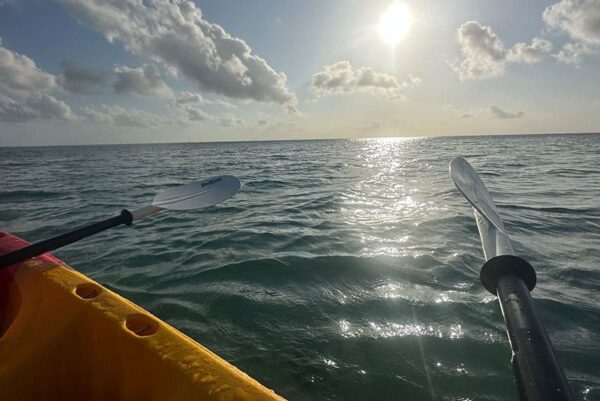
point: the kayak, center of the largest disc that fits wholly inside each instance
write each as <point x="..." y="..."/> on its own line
<point x="64" y="336"/>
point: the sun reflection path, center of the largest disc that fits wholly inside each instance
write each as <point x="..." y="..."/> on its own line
<point x="391" y="197"/>
<point x="390" y="329"/>
<point x="418" y="294"/>
<point x="422" y="294"/>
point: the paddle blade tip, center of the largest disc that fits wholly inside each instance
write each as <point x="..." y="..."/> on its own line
<point x="198" y="194"/>
<point x="471" y="186"/>
<point x="458" y="166"/>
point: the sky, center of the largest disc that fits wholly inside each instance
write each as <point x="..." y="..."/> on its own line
<point x="131" y="71"/>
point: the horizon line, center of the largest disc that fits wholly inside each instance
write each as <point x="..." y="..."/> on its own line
<point x="305" y="139"/>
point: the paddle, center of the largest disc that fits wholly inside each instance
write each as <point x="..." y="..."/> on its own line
<point x="535" y="366"/>
<point x="195" y="195"/>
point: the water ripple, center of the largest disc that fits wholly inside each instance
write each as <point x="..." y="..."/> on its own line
<point x="343" y="270"/>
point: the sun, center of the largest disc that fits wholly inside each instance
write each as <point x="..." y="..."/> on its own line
<point x="394" y="24"/>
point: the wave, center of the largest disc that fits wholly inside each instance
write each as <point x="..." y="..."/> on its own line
<point x="558" y="210"/>
<point x="29" y="195"/>
<point x="572" y="172"/>
<point x="351" y="266"/>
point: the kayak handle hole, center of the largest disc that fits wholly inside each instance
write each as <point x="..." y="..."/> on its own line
<point x="87" y="290"/>
<point x="141" y="325"/>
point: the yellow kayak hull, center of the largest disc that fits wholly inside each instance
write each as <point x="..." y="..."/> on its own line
<point x="65" y="337"/>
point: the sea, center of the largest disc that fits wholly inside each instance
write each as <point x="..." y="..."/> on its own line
<point x="343" y="269"/>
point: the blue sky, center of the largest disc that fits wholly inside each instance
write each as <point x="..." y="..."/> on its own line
<point x="92" y="71"/>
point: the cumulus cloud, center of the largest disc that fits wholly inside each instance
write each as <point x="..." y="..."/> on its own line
<point x="186" y="99"/>
<point x="485" y="55"/>
<point x="572" y="53"/>
<point x="24" y="92"/>
<point x="82" y="81"/>
<point x="176" y="34"/>
<point x="533" y="53"/>
<point x="117" y="115"/>
<point x="579" y="18"/>
<point x="20" y="77"/>
<point x="144" y="81"/>
<point x="504" y="114"/>
<point x="23" y="88"/>
<point x="35" y="107"/>
<point x="342" y="77"/>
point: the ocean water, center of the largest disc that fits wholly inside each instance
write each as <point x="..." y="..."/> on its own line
<point x="343" y="270"/>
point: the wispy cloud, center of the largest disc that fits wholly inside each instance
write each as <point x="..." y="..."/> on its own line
<point x="504" y="114"/>
<point x="196" y="114"/>
<point x="189" y="97"/>
<point x="455" y="110"/>
<point x="494" y="110"/>
<point x="117" y="115"/>
<point x="230" y="120"/>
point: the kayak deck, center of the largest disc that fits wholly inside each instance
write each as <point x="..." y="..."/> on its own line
<point x="64" y="336"/>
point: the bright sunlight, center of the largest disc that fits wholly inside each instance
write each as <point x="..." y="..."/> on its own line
<point x="394" y="24"/>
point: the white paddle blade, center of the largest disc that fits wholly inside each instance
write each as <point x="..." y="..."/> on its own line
<point x="470" y="185"/>
<point x="198" y="194"/>
<point x="493" y="241"/>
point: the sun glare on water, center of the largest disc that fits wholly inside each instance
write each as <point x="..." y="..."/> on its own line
<point x="394" y="24"/>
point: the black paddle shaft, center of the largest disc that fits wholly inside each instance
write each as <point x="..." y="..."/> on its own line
<point x="65" y="239"/>
<point x="536" y="368"/>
